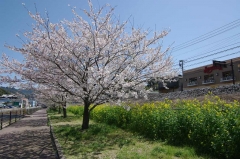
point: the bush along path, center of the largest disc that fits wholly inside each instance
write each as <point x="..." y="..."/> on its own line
<point x="108" y="141"/>
<point x="212" y="126"/>
<point x="27" y="138"/>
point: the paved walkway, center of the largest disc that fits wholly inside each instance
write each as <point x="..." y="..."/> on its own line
<point x="27" y="138"/>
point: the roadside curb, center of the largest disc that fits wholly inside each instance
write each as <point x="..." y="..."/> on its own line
<point x="56" y="145"/>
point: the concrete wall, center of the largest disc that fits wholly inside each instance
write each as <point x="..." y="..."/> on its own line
<point x="226" y="89"/>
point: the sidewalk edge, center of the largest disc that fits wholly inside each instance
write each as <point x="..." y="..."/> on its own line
<point x="56" y="145"/>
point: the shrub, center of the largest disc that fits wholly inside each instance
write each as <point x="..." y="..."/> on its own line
<point x="212" y="126"/>
<point x="76" y="110"/>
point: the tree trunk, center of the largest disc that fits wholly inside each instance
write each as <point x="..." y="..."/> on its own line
<point x="86" y="116"/>
<point x="59" y="109"/>
<point x="64" y="110"/>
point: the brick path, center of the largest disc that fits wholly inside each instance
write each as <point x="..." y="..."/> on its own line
<point x="27" y="138"/>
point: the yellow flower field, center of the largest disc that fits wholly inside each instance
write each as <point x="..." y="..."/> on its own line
<point x="212" y="126"/>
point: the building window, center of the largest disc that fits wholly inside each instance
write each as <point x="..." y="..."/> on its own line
<point x="208" y="79"/>
<point x="226" y="76"/>
<point x="192" y="81"/>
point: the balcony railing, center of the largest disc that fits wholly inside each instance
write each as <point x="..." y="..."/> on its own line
<point x="208" y="81"/>
<point x="228" y="78"/>
<point x="194" y="83"/>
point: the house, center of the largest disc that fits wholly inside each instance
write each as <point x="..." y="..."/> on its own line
<point x="219" y="73"/>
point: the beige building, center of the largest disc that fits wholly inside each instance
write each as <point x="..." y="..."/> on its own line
<point x="212" y="75"/>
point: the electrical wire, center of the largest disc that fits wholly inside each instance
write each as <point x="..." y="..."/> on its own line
<point x="220" y="42"/>
<point x="200" y="54"/>
<point x="212" y="59"/>
<point x="219" y="52"/>
<point x="208" y="35"/>
<point x="187" y="61"/>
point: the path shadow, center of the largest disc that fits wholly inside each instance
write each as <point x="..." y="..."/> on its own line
<point x="26" y="144"/>
<point x="31" y="122"/>
<point x="28" y="138"/>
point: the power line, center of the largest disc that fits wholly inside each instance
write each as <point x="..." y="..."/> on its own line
<point x="186" y="61"/>
<point x="225" y="42"/>
<point x="210" y="51"/>
<point x="212" y="59"/>
<point x="208" y="35"/>
<point x="200" y="41"/>
<point x="229" y="39"/>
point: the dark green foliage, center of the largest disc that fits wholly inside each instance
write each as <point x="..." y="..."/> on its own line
<point x="3" y="91"/>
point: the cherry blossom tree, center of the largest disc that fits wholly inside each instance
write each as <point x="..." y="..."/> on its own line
<point x="96" y="60"/>
<point x="49" y="96"/>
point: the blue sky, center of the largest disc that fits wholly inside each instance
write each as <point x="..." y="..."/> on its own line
<point x="187" y="19"/>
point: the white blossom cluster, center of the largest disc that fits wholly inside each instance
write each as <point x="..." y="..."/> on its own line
<point x="94" y="60"/>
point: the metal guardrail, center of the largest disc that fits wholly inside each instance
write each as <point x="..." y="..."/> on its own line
<point x="13" y="115"/>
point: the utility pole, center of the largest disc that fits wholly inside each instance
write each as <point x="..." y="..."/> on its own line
<point x="232" y="72"/>
<point x="181" y="65"/>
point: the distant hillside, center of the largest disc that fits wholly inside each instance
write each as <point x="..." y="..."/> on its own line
<point x="10" y="90"/>
<point x="3" y="91"/>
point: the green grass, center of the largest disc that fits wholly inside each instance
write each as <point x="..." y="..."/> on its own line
<point x="58" y="119"/>
<point x="108" y="142"/>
